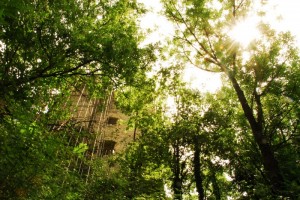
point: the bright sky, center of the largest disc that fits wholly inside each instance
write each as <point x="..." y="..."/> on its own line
<point x="287" y="11"/>
<point x="281" y="15"/>
<point x="155" y="21"/>
<point x="163" y="28"/>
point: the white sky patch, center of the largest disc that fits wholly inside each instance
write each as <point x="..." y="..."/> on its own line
<point x="246" y="57"/>
<point x="215" y="4"/>
<point x="154" y="5"/>
<point x="55" y="92"/>
<point x="2" y="46"/>
<point x="168" y="191"/>
<point x="158" y="32"/>
<point x="171" y="109"/>
<point x="202" y="80"/>
<point x="160" y="27"/>
<point x="283" y="16"/>
<point x="227" y="176"/>
<point x="99" y="17"/>
<point x="45" y="110"/>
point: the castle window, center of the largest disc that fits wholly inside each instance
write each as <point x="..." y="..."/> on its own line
<point x="108" y="147"/>
<point x="112" y="120"/>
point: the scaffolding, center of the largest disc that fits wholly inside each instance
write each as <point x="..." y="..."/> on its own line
<point x="94" y="122"/>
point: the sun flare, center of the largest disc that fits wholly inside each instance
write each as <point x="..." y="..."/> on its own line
<point x="245" y="31"/>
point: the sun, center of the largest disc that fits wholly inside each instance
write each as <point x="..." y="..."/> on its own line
<point x="245" y="31"/>
<point x="279" y="15"/>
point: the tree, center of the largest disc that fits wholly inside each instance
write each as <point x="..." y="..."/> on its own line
<point x="265" y="77"/>
<point x="201" y="124"/>
<point x="143" y="162"/>
<point x="43" y="43"/>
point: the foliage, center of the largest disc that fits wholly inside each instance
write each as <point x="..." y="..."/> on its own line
<point x="240" y="142"/>
<point x="48" y="49"/>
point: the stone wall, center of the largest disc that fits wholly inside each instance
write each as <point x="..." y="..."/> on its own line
<point x="101" y="119"/>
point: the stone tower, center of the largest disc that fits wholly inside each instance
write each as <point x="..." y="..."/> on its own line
<point x="95" y="124"/>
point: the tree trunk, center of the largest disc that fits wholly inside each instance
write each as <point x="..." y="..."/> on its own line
<point x="177" y="180"/>
<point x="197" y="170"/>
<point x="268" y="158"/>
<point x="216" y="188"/>
<point x="134" y="132"/>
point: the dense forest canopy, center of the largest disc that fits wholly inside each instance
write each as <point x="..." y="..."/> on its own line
<point x="241" y="141"/>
